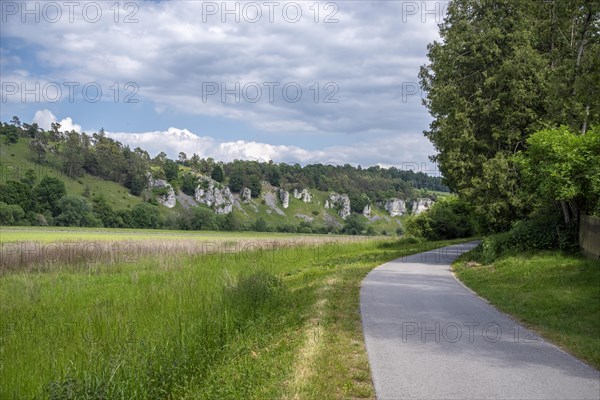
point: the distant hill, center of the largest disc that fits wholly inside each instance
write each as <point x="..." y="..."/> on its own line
<point x="121" y="187"/>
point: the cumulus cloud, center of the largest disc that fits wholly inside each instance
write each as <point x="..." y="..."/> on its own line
<point x="400" y="153"/>
<point x="44" y="119"/>
<point x="357" y="74"/>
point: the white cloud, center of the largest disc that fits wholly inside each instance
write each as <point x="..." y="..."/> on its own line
<point x="400" y="152"/>
<point x="44" y="119"/>
<point x="172" y="51"/>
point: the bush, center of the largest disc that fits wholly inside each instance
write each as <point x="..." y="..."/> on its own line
<point x="449" y="218"/>
<point x="145" y="215"/>
<point x="11" y="214"/>
<point x="539" y="233"/>
<point x="354" y="225"/>
<point x="260" y="225"/>
<point x="75" y="211"/>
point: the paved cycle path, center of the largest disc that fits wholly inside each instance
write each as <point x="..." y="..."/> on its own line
<point x="428" y="337"/>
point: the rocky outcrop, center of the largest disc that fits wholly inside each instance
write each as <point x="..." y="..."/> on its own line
<point x="341" y="202"/>
<point x="421" y="205"/>
<point x="367" y="211"/>
<point x="304" y="217"/>
<point x="395" y="207"/>
<point x="284" y="196"/>
<point x="271" y="201"/>
<point x="304" y="195"/>
<point x="212" y="194"/>
<point x="185" y="201"/>
<point x="246" y="195"/>
<point x="159" y="185"/>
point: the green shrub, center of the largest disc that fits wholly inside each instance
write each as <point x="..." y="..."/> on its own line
<point x="546" y="232"/>
<point x="11" y="214"/>
<point x="76" y="211"/>
<point x="449" y="218"/>
<point x="145" y="215"/>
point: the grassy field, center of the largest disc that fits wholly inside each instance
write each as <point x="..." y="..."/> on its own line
<point x="16" y="161"/>
<point x="554" y="294"/>
<point x="57" y="234"/>
<point x="272" y="323"/>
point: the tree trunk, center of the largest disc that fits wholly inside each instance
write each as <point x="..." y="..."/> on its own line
<point x="566" y="213"/>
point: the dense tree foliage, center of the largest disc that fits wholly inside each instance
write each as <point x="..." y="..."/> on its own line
<point x="449" y="218"/>
<point x="75" y="211"/>
<point x="563" y="168"/>
<point x="502" y="71"/>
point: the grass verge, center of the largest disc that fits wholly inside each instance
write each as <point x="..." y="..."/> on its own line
<point x="555" y="294"/>
<point x="280" y="323"/>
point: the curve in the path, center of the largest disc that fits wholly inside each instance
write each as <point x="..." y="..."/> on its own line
<point x="428" y="337"/>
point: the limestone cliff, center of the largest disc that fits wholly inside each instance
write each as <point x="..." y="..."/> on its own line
<point x="395" y="207"/>
<point x="212" y="194"/>
<point x="421" y="205"/>
<point x="160" y="185"/>
<point x="340" y="202"/>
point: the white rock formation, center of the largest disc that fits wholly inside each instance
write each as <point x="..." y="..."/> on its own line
<point x="421" y="205"/>
<point x="209" y="192"/>
<point x="284" y="196"/>
<point x="304" y="195"/>
<point x="341" y="201"/>
<point x="395" y="207"/>
<point x="367" y="211"/>
<point x="246" y="195"/>
<point x="168" y="200"/>
<point x="270" y="198"/>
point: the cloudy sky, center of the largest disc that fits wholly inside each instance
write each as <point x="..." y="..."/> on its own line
<point x="301" y="81"/>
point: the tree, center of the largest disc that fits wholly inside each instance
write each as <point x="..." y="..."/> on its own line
<point x="16" y="193"/>
<point x="217" y="173"/>
<point x="358" y="203"/>
<point x="15" y="121"/>
<point x="182" y="158"/>
<point x="202" y="219"/>
<point x="39" y="147"/>
<point x="230" y="223"/>
<point x="449" y="218"/>
<point x="75" y="211"/>
<point x="29" y="178"/>
<point x="145" y="215"/>
<point x="564" y="168"/>
<point x="137" y="169"/>
<point x="171" y="169"/>
<point x="104" y="212"/>
<point x="189" y="183"/>
<point x="496" y="77"/>
<point x="260" y="225"/>
<point x="255" y="186"/>
<point x="11" y="214"/>
<point x="73" y="155"/>
<point x="47" y="193"/>
<point x="354" y="225"/>
<point x="12" y="136"/>
<point x="55" y="131"/>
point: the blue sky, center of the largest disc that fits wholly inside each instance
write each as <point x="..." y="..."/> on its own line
<point x="355" y="63"/>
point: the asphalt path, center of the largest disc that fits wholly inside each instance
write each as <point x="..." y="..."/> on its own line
<point x="429" y="337"/>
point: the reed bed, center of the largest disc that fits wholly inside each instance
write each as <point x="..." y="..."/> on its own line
<point x="36" y="256"/>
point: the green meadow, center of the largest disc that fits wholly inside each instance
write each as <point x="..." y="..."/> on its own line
<point x="268" y="323"/>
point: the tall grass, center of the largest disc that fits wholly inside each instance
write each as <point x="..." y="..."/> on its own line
<point x="183" y="326"/>
<point x="42" y="256"/>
